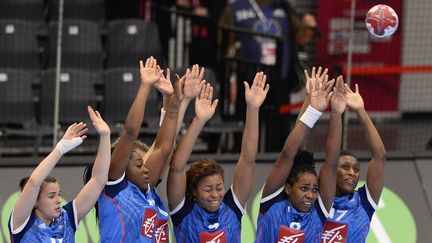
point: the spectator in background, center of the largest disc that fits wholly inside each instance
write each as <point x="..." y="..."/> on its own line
<point x="275" y="17"/>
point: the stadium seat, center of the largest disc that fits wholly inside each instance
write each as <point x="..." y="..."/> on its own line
<point x="121" y="87"/>
<point x="19" y="45"/>
<point x="130" y="40"/>
<point x="81" y="45"/>
<point x="16" y="98"/>
<point x="26" y="10"/>
<point x="76" y="93"/>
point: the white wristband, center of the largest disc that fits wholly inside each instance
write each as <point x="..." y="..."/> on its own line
<point x="66" y="145"/>
<point x="310" y="116"/>
<point x="162" y="115"/>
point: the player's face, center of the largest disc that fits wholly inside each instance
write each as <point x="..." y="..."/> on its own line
<point x="210" y="192"/>
<point x="348" y="173"/>
<point x="137" y="172"/>
<point x="303" y="193"/>
<point x="48" y="203"/>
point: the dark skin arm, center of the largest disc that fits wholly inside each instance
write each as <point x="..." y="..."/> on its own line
<point x="121" y="154"/>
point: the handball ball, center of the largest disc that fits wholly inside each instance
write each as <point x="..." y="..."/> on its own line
<point x="381" y="21"/>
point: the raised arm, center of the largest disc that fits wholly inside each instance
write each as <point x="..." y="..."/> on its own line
<point x="375" y="173"/>
<point x="190" y="85"/>
<point x="89" y="194"/>
<point x="164" y="141"/>
<point x="120" y="156"/>
<point x="317" y="74"/>
<point x="319" y="98"/>
<point x="328" y="171"/>
<point x="204" y="110"/>
<point x="72" y="138"/>
<point x="245" y="168"/>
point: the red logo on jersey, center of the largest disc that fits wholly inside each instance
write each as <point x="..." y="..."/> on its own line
<point x="149" y="222"/>
<point x="288" y="235"/>
<point x="161" y="233"/>
<point x="214" y="237"/>
<point x="334" y="232"/>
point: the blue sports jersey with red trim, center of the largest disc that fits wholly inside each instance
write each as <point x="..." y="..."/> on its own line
<point x="350" y="217"/>
<point x="279" y="221"/>
<point x="192" y="223"/>
<point x="127" y="214"/>
<point x="61" y="230"/>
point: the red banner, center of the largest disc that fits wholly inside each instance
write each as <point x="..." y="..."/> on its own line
<point x="379" y="91"/>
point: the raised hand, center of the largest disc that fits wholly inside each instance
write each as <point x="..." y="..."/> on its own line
<point x="76" y="130"/>
<point x="164" y="84"/>
<point x="355" y="101"/>
<point x="149" y="72"/>
<point x="339" y="98"/>
<point x="320" y="92"/>
<point x="256" y="94"/>
<point x="99" y="124"/>
<point x="320" y="74"/>
<point x="204" y="107"/>
<point x="193" y="82"/>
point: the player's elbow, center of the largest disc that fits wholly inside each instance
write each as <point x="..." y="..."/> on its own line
<point x="380" y="153"/>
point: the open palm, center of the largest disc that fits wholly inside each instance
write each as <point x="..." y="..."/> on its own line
<point x="164" y="84"/>
<point x="256" y="94"/>
<point x="355" y="101"/>
<point x="339" y="98"/>
<point x="149" y="72"/>
<point x="193" y="82"/>
<point x="204" y="106"/>
<point x="99" y="124"/>
<point x="320" y="92"/>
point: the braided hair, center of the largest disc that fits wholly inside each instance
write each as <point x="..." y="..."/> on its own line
<point x="304" y="162"/>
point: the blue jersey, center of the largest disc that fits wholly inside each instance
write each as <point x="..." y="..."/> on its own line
<point x="61" y="230"/>
<point x="193" y="224"/>
<point x="127" y="214"/>
<point x="263" y="19"/>
<point x="279" y="221"/>
<point x="350" y="217"/>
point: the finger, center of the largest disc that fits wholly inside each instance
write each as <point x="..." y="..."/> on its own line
<point x="158" y="68"/>
<point x="152" y="62"/>
<point x="266" y="89"/>
<point x="82" y="132"/>
<point x="330" y="85"/>
<point x="329" y="96"/>
<point x="348" y="88"/>
<point x="188" y="74"/>
<point x="98" y="114"/>
<point x="306" y="74"/>
<point x="357" y="89"/>
<point x="91" y="112"/>
<point x="246" y="85"/>
<point x="168" y="74"/>
<point x="141" y="64"/>
<point x="313" y="72"/>
<point x="196" y="72"/>
<point x="324" y="73"/>
<point x="318" y="74"/>
<point x="202" y="92"/>
<point x="256" y="79"/>
<point x="311" y="85"/>
<point x="263" y="81"/>
<point x="147" y="63"/>
<point x="208" y="90"/>
<point x="210" y="97"/>
<point x="83" y="137"/>
<point x="201" y="74"/>
<point x="214" y="104"/>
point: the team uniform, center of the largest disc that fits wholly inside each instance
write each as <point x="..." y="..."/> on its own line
<point x="61" y="230"/>
<point x="128" y="214"/>
<point x="279" y="221"/>
<point x="193" y="224"/>
<point x="350" y="217"/>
